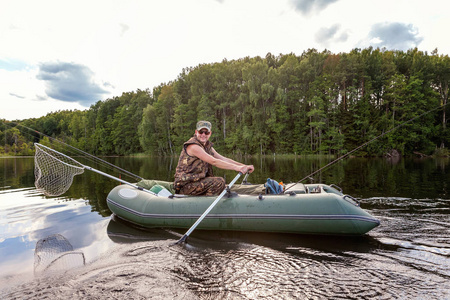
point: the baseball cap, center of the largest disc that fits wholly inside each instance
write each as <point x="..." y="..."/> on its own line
<point x="203" y="124"/>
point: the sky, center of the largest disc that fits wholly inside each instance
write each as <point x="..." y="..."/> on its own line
<point x="65" y="54"/>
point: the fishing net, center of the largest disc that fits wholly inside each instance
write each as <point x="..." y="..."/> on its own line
<point x="55" y="253"/>
<point x="54" y="171"/>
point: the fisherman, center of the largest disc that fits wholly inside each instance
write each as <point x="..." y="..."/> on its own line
<point x="194" y="173"/>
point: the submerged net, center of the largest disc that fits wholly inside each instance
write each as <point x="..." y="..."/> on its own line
<point x="54" y="171"/>
<point x="55" y="253"/>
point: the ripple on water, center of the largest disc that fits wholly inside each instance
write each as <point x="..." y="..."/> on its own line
<point x="256" y="271"/>
<point x="406" y="257"/>
<point x="130" y="271"/>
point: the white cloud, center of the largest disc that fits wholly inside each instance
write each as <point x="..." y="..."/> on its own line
<point x="23" y="96"/>
<point x="70" y="82"/>
<point x="393" y="36"/>
<point x="123" y="45"/>
<point x="307" y="6"/>
<point x="17" y="96"/>
<point x="325" y="35"/>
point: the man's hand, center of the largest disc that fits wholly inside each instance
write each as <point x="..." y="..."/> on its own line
<point x="246" y="168"/>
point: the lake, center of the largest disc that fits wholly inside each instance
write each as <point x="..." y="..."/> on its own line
<point x="406" y="257"/>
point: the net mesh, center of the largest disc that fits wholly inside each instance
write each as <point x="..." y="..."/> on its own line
<point x="55" y="253"/>
<point x="54" y="171"/>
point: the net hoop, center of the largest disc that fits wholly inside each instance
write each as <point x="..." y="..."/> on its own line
<point x="47" y="151"/>
<point x="54" y="254"/>
<point x="54" y="171"/>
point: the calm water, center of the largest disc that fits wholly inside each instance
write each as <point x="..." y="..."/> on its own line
<point x="406" y="257"/>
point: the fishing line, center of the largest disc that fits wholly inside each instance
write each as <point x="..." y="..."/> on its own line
<point x="365" y="144"/>
<point x="90" y="157"/>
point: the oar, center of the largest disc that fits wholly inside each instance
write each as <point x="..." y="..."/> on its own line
<point x="185" y="236"/>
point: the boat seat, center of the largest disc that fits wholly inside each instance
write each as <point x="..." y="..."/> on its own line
<point x="248" y="189"/>
<point x="298" y="188"/>
<point x="149" y="183"/>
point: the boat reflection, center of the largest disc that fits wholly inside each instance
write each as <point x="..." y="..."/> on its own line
<point x="121" y="231"/>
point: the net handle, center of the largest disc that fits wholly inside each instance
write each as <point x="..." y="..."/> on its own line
<point x="92" y="169"/>
<point x="40" y="146"/>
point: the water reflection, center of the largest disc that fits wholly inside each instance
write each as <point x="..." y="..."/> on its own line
<point x="54" y="254"/>
<point x="406" y="257"/>
<point x="120" y="231"/>
<point x="315" y="267"/>
<point x="26" y="217"/>
<point x="360" y="177"/>
<point x="399" y="257"/>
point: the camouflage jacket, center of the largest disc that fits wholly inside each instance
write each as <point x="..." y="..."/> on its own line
<point x="191" y="168"/>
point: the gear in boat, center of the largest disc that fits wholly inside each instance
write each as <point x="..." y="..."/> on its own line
<point x="304" y="209"/>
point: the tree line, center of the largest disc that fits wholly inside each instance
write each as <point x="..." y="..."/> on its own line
<point x="313" y="103"/>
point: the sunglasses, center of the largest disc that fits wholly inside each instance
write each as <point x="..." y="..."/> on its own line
<point x="205" y="132"/>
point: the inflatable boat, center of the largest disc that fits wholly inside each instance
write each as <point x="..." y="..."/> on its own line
<point x="304" y="209"/>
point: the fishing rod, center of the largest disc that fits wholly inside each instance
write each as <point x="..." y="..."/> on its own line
<point x="80" y="151"/>
<point x="365" y="144"/>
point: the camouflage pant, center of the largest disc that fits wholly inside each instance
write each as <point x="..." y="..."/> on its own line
<point x="208" y="186"/>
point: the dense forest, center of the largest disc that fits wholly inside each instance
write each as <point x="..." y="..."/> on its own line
<point x="315" y="103"/>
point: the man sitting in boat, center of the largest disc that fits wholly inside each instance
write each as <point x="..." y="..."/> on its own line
<point x="194" y="172"/>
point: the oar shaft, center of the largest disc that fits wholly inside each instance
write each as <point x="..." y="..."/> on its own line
<point x="184" y="237"/>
